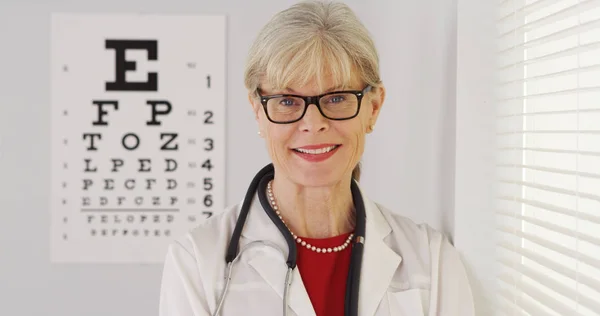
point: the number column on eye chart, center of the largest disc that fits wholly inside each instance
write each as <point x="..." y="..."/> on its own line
<point x="206" y="186"/>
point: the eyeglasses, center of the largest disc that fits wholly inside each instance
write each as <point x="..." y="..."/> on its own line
<point x="290" y="108"/>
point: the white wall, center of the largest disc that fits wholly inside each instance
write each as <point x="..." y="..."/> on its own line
<point x="475" y="147"/>
<point x="408" y="166"/>
<point x="409" y="160"/>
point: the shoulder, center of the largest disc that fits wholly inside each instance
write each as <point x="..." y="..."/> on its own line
<point x="206" y="243"/>
<point x="418" y="242"/>
<point x="403" y="227"/>
<point x="194" y="265"/>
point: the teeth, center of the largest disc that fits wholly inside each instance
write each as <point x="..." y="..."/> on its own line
<point x="316" y="151"/>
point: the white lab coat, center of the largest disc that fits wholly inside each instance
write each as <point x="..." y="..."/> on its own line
<point x="407" y="270"/>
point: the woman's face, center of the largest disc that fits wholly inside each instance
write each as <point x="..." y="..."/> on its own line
<point x="316" y="151"/>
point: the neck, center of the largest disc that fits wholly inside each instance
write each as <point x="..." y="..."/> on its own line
<point x="315" y="212"/>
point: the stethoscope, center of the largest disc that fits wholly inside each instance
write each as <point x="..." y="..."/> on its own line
<point x="260" y="182"/>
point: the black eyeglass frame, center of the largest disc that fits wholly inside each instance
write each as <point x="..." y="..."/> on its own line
<point x="308" y="100"/>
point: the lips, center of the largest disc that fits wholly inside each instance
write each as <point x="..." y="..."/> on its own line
<point x="316" y="149"/>
<point x="316" y="153"/>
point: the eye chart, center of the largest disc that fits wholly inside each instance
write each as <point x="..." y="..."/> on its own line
<point x="138" y="133"/>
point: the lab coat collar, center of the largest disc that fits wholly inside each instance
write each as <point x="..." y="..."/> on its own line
<point x="380" y="262"/>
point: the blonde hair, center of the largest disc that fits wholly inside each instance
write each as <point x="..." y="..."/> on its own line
<point x="311" y="40"/>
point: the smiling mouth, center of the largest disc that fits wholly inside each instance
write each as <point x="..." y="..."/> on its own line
<point x="316" y="151"/>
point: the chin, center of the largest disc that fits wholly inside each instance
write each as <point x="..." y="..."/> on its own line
<point x="317" y="176"/>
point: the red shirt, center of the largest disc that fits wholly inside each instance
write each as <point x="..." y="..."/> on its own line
<point x="324" y="274"/>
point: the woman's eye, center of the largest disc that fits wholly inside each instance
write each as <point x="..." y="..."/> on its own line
<point x="336" y="99"/>
<point x="287" y="102"/>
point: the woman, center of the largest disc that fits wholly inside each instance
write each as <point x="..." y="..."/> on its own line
<point x="312" y="243"/>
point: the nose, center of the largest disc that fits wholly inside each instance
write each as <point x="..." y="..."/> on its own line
<point x="313" y="121"/>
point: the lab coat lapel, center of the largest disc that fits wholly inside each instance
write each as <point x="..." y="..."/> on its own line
<point x="272" y="265"/>
<point x="274" y="275"/>
<point x="379" y="264"/>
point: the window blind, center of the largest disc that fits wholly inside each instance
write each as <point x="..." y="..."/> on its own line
<point x="548" y="157"/>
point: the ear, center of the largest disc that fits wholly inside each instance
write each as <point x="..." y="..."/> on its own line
<point x="255" y="103"/>
<point x="377" y="98"/>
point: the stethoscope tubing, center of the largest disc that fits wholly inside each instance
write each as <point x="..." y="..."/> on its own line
<point x="260" y="182"/>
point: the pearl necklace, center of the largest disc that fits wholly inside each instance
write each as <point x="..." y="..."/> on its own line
<point x="298" y="239"/>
